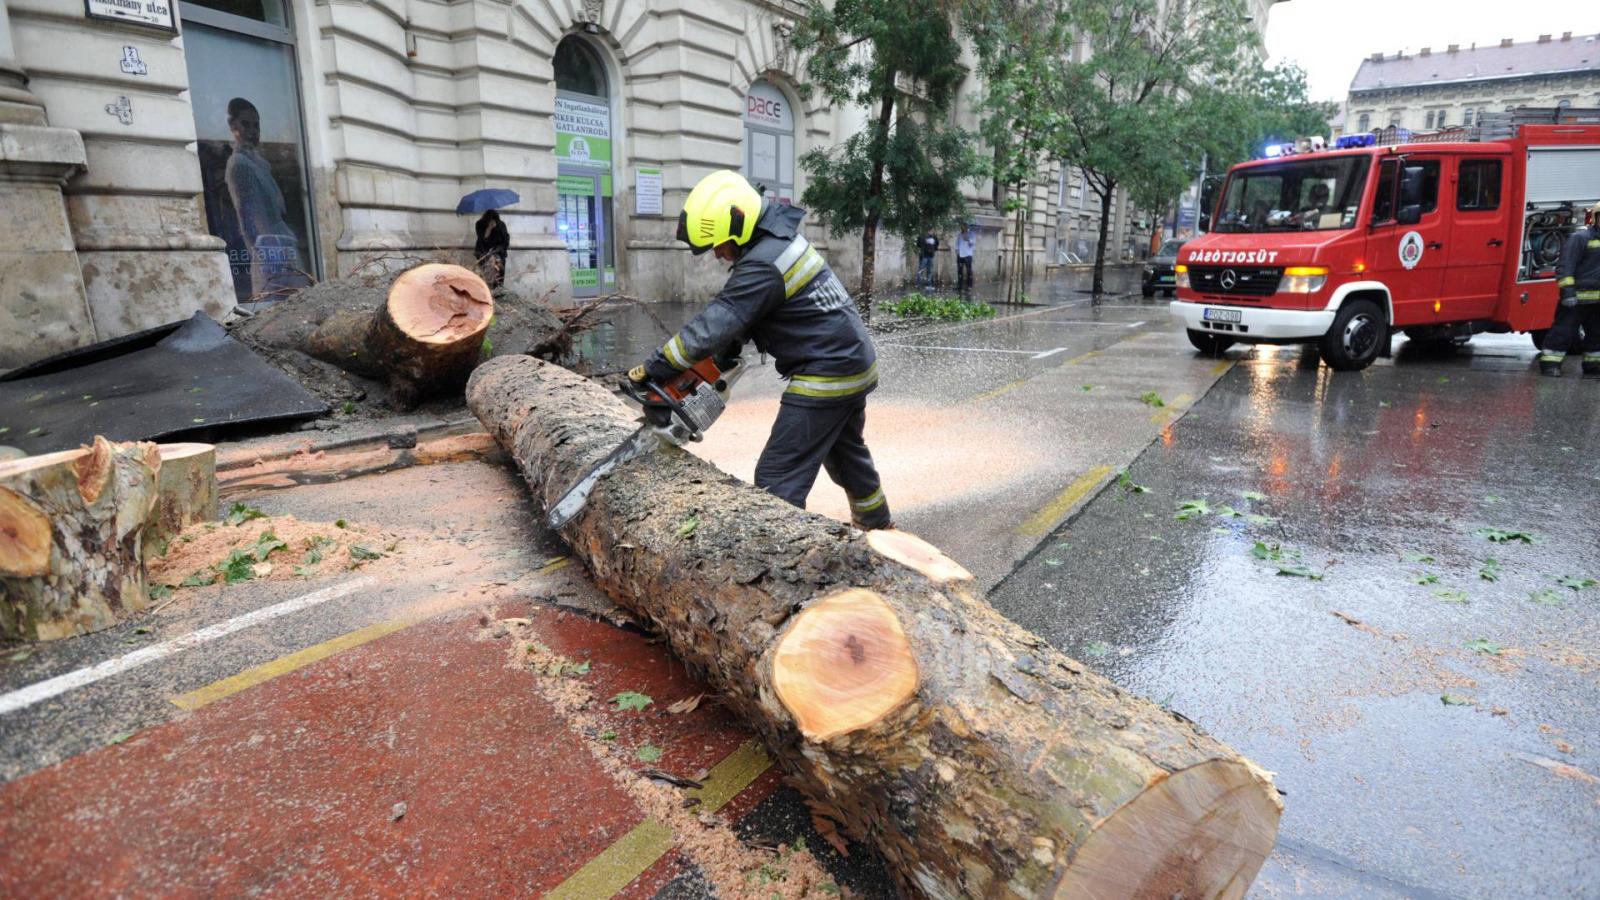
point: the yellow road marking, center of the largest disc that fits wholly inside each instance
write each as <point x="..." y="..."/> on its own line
<point x="619" y="864"/>
<point x="1221" y="366"/>
<point x="1040" y="523"/>
<point x="283" y="665"/>
<point x="1164" y="415"/>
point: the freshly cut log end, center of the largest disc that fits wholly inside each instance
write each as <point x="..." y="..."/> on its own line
<point x="24" y="536"/>
<point x="843" y="664"/>
<point x="186" y="493"/>
<point x="915" y="553"/>
<point x="1204" y="831"/>
<point x="439" y="303"/>
<point x="93" y="469"/>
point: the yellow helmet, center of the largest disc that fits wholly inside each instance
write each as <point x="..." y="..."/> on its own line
<point x="722" y="207"/>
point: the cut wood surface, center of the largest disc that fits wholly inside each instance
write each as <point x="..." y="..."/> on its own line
<point x="71" y="538"/>
<point x="977" y="759"/>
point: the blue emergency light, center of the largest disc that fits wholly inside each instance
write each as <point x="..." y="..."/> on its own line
<point x="1364" y="139"/>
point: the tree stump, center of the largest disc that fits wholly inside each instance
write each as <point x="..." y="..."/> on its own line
<point x="71" y="538"/>
<point x="186" y="493"/>
<point x="980" y="761"/>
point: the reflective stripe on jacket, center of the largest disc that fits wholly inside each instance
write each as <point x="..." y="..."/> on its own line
<point x="1579" y="270"/>
<point x="782" y="294"/>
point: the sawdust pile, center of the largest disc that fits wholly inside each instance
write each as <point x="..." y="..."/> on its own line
<point x="733" y="867"/>
<point x="208" y="552"/>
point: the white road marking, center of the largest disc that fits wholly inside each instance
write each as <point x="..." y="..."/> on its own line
<point x="51" y="687"/>
<point x="967" y="349"/>
<point x="1047" y="353"/>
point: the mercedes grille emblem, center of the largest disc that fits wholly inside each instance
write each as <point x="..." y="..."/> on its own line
<point x="1229" y="279"/>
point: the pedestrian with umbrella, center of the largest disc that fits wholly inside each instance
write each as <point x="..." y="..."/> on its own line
<point x="492" y="238"/>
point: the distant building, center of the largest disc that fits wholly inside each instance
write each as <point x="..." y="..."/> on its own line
<point x="1429" y="90"/>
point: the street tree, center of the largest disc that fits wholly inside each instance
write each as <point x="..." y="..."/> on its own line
<point x="1131" y="91"/>
<point x="1020" y="48"/>
<point x="901" y="61"/>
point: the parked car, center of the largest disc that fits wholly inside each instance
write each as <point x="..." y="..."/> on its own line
<point x="1159" y="274"/>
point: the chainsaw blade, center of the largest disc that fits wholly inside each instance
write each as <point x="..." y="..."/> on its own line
<point x="646" y="440"/>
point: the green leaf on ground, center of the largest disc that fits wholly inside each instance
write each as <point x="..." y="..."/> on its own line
<point x="360" y="555"/>
<point x="1228" y="512"/>
<point x="1491" y="499"/>
<point x="1546" y="597"/>
<point x="268" y="544"/>
<point x="121" y="737"/>
<point x="348" y="407"/>
<point x="1052" y="562"/>
<point x="1269" y="552"/>
<point x="1576" y="583"/>
<point x="239" y="513"/>
<point x="1500" y="536"/>
<point x="160" y="591"/>
<point x="1449" y="595"/>
<point x="1425" y="578"/>
<point x="688" y="527"/>
<point x="1192" y="509"/>
<point x="199" y="579"/>
<point x="1484" y="645"/>
<point x="608" y="735"/>
<point x="340" y="523"/>
<point x="1127" y="483"/>
<point x="1258" y="519"/>
<point x="239" y="566"/>
<point x="142" y="629"/>
<point x="1151" y="398"/>
<point x="1455" y="700"/>
<point x="1299" y="571"/>
<point x="1096" y="648"/>
<point x="303" y="571"/>
<point x="1490" y="570"/>
<point x="631" y="700"/>
<point x="1416" y="558"/>
<point x="314" y="557"/>
<point x="1087" y="388"/>
<point x="648" y="753"/>
<point x="579" y="668"/>
<point x="21" y="655"/>
<point x="35" y="430"/>
<point x="197" y="390"/>
<point x="1253" y="496"/>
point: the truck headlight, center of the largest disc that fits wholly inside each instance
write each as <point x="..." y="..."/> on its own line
<point x="1303" y="279"/>
<point x="1182" y="273"/>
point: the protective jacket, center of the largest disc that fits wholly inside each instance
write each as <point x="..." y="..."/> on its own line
<point x="783" y="295"/>
<point x="1579" y="271"/>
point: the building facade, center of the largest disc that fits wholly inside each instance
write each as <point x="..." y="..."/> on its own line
<point x="162" y="157"/>
<point x="1435" y="89"/>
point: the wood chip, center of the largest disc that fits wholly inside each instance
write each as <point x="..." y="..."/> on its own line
<point x="686" y="705"/>
<point x="669" y="778"/>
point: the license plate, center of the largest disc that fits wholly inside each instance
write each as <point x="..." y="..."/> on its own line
<point x="1164" y="278"/>
<point x="1211" y="314"/>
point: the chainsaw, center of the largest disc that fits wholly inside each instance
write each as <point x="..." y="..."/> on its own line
<point x="676" y="412"/>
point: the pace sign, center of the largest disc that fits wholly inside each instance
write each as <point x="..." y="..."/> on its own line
<point x="766" y="106"/>
<point x="153" y="13"/>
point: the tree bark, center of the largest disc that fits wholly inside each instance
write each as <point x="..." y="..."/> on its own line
<point x="71" y="538"/>
<point x="423" y="339"/>
<point x="186" y="493"/>
<point x="1106" y="195"/>
<point x="978" y="760"/>
<point x="869" y="229"/>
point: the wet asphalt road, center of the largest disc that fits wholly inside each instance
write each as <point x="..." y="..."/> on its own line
<point x="1437" y="733"/>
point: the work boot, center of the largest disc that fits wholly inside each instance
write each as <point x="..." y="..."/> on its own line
<point x="1550" y="368"/>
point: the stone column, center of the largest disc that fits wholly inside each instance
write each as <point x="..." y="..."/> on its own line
<point x="43" y="306"/>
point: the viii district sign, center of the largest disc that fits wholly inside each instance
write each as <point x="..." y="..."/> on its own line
<point x="154" y="13"/>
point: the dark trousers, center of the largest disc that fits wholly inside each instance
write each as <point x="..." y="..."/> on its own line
<point x="1563" y="336"/>
<point x="806" y="438"/>
<point x="963" y="272"/>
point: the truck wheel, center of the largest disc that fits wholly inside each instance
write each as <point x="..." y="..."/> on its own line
<point x="1356" y="337"/>
<point x="1538" y="337"/>
<point x="1147" y="292"/>
<point x="1209" y="344"/>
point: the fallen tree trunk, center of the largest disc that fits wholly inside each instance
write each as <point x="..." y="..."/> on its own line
<point x="425" y="337"/>
<point x="71" y="538"/>
<point x="980" y="761"/>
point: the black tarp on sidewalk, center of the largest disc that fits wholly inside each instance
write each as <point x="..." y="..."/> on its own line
<point x="195" y="380"/>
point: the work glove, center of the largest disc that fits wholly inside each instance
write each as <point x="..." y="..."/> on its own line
<point x="638" y="375"/>
<point x="1569" y="299"/>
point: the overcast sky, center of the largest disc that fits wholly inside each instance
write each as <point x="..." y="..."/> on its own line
<point x="1329" y="38"/>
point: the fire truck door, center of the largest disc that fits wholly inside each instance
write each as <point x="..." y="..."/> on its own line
<point x="1409" y="257"/>
<point x="1478" y="237"/>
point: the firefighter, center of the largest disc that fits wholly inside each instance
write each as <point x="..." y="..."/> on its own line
<point x="782" y="294"/>
<point x="1578" y="277"/>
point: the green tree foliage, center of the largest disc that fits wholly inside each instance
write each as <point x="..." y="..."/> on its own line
<point x="900" y="60"/>
<point x="1136" y="92"/>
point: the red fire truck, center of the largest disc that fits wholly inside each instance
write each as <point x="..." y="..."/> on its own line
<point x="1440" y="236"/>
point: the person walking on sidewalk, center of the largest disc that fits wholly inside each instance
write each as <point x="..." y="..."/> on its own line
<point x="782" y="294"/>
<point x="966" y="245"/>
<point x="1578" y="277"/>
<point x="927" y="246"/>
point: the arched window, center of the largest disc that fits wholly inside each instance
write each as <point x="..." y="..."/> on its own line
<point x="1365" y="123"/>
<point x="583" y="165"/>
<point x="769" y="140"/>
<point x="1466" y="116"/>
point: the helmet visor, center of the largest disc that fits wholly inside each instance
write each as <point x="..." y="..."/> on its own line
<point x="683" y="234"/>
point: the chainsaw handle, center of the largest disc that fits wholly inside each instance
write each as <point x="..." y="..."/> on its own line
<point x="655" y="399"/>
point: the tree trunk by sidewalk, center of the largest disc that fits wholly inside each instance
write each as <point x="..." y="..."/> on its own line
<point x="979" y="761"/>
<point x="869" y="230"/>
<point x="1108" y="190"/>
<point x="71" y="538"/>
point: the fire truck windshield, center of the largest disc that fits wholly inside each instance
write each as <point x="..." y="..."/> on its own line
<point x="1300" y="195"/>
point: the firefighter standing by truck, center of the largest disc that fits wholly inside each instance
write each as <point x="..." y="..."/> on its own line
<point x="1578" y="278"/>
<point x="781" y="293"/>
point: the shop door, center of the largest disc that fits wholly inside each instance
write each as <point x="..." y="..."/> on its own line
<point x="579" y="219"/>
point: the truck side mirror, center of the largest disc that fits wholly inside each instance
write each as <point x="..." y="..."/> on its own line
<point x="1411" y="186"/>
<point x="1410" y="214"/>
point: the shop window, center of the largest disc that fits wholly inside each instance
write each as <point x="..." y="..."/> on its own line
<point x="244" y="91"/>
<point x="584" y="184"/>
<point x="769" y="141"/>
